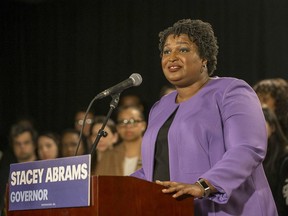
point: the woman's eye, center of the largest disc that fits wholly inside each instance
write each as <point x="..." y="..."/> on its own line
<point x="165" y="52"/>
<point x="184" y="50"/>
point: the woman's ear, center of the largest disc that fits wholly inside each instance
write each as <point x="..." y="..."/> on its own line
<point x="204" y="62"/>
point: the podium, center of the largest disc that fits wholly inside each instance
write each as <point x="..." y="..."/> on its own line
<point x="121" y="195"/>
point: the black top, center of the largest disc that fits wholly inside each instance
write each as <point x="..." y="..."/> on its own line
<point x="161" y="157"/>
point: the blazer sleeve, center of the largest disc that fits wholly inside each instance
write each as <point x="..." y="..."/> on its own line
<point x="245" y="139"/>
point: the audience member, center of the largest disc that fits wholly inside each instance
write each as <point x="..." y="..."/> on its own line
<point x="48" y="145"/>
<point x="277" y="153"/>
<point x="23" y="144"/>
<point x="23" y="141"/>
<point x="166" y="89"/>
<point x="274" y="94"/>
<point x="7" y="159"/>
<point x="79" y="120"/>
<point x="125" y="158"/>
<point x="131" y="99"/>
<point x="106" y="143"/>
<point x="69" y="141"/>
<point x="27" y="121"/>
<point x="282" y="202"/>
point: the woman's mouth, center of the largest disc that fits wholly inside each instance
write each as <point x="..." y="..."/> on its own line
<point x="174" y="68"/>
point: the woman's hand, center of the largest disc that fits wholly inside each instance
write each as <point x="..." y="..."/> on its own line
<point x="180" y="189"/>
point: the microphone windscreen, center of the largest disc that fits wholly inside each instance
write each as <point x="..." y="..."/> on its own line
<point x="137" y="79"/>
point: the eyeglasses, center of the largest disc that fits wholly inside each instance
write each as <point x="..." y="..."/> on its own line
<point x="131" y="122"/>
<point x="80" y="122"/>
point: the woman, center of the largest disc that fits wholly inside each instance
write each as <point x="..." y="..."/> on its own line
<point x="106" y="143"/>
<point x="125" y="158"/>
<point x="276" y="159"/>
<point x="273" y="93"/>
<point x="48" y="145"/>
<point x="208" y="138"/>
<point x="69" y="141"/>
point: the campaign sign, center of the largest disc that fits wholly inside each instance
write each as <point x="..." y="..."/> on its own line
<point x="58" y="183"/>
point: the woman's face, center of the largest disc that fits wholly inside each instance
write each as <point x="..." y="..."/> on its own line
<point x="267" y="100"/>
<point x="47" y="148"/>
<point x="133" y="127"/>
<point x="104" y="142"/>
<point x="181" y="63"/>
<point x="79" y="122"/>
<point x="69" y="144"/>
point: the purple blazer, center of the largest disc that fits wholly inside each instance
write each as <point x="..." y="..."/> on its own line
<point x="218" y="134"/>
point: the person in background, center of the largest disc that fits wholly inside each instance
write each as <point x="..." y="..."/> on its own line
<point x="79" y="120"/>
<point x="128" y="99"/>
<point x="274" y="94"/>
<point x="69" y="141"/>
<point x="48" y="145"/>
<point x="27" y="121"/>
<point x="208" y="138"/>
<point x="22" y="140"/>
<point x="166" y="89"/>
<point x="276" y="157"/>
<point x="106" y="143"/>
<point x="125" y="158"/>
<point x="282" y="202"/>
<point x="131" y="99"/>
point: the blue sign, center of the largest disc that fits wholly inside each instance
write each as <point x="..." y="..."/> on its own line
<point x="57" y="183"/>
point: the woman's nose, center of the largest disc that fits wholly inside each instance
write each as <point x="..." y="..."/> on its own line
<point x="173" y="57"/>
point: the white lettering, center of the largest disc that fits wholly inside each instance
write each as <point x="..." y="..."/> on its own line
<point x="13" y="178"/>
<point x="40" y="172"/>
<point x="76" y="172"/>
<point x="28" y="196"/>
<point x="22" y="178"/>
<point x="62" y="177"/>
<point x="55" y="174"/>
<point x="84" y="171"/>
<point x="70" y="172"/>
<point x="29" y="179"/>
<point x="26" y="177"/>
<point x="48" y="175"/>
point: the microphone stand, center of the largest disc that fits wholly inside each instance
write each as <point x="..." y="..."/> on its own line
<point x="101" y="132"/>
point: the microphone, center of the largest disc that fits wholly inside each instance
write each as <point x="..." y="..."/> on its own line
<point x="134" y="80"/>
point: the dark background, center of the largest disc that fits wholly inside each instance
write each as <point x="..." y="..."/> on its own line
<point x="56" y="55"/>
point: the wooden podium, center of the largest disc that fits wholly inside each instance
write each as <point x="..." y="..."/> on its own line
<point x="123" y="196"/>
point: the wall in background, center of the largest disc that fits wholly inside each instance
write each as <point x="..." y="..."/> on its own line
<point x="56" y="55"/>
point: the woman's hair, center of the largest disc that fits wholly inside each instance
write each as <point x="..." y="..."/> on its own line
<point x="200" y="33"/>
<point x="278" y="89"/>
<point x="277" y="142"/>
<point x="121" y="109"/>
<point x="100" y="120"/>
